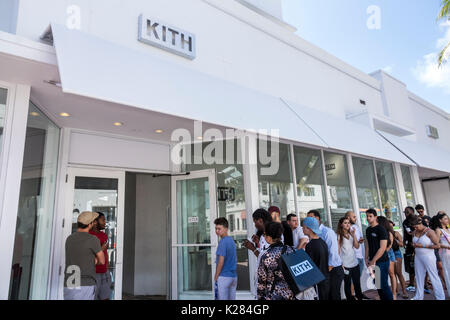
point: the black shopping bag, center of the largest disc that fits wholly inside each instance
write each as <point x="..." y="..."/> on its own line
<point x="299" y="270"/>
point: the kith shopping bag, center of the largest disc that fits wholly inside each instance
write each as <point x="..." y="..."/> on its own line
<point x="299" y="270"/>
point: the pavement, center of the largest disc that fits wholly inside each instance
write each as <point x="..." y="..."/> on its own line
<point x="373" y="294"/>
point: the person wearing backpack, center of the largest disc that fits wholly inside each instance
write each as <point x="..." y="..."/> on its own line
<point x="271" y="283"/>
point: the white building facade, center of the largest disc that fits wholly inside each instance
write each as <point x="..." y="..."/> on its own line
<point x="91" y="92"/>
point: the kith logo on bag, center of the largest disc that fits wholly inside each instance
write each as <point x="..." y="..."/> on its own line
<point x="301" y="268"/>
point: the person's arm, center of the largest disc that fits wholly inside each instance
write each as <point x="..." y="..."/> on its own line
<point x="333" y="247"/>
<point x="380" y="252"/>
<point x="250" y="246"/>
<point x="100" y="257"/>
<point x="302" y="243"/>
<point x="366" y="253"/>
<point x="219" y="267"/>
<point x="339" y="244"/>
<point x="391" y="238"/>
<point x="355" y="240"/>
<point x="433" y="237"/>
<point x="399" y="239"/>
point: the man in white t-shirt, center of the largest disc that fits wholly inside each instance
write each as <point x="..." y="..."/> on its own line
<point x="298" y="237"/>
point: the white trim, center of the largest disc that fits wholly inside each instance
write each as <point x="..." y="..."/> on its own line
<point x="294" y="177"/>
<point x="10" y="176"/>
<point x="325" y="185"/>
<point x="353" y="190"/>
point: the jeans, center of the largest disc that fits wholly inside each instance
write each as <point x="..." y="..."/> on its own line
<point x="355" y="276"/>
<point x="226" y="287"/>
<point x="336" y="278"/>
<point x="385" y="291"/>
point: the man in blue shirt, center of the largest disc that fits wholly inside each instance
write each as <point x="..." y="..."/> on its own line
<point x="226" y="261"/>
<point x="334" y="260"/>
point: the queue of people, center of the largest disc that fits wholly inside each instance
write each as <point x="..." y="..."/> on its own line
<point x="341" y="258"/>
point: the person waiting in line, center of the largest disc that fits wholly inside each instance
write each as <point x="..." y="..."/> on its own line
<point x="334" y="260"/>
<point x="440" y="224"/>
<point x="226" y="262"/>
<point x="398" y="242"/>
<point x="408" y="230"/>
<point x="351" y="216"/>
<point x="299" y="239"/>
<point x="425" y="241"/>
<point x="317" y="250"/>
<point x="275" y="213"/>
<point x="347" y="242"/>
<point x="384" y="222"/>
<point x="103" y="289"/>
<point x="376" y="243"/>
<point x="83" y="252"/>
<point x="426" y="222"/>
<point x="271" y="282"/>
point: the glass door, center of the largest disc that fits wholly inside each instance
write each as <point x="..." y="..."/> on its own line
<point x="100" y="191"/>
<point x="194" y="241"/>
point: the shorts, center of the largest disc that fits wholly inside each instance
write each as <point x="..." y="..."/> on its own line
<point x="103" y="291"/>
<point x="398" y="254"/>
<point x="436" y="253"/>
<point x="391" y="255"/>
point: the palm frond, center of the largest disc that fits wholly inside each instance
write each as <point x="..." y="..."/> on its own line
<point x="445" y="10"/>
<point x="442" y="54"/>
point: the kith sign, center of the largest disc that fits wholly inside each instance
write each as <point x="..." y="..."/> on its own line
<point x="164" y="36"/>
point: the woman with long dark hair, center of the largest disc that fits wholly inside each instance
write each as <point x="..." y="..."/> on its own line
<point x="347" y="242"/>
<point x="384" y="222"/>
<point x="439" y="223"/>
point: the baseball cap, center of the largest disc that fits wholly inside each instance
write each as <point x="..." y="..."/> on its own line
<point x="87" y="217"/>
<point x="313" y="224"/>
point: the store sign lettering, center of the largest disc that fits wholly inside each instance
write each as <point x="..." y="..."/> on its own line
<point x="164" y="36"/>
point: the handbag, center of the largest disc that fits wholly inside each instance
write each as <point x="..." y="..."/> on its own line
<point x="299" y="270"/>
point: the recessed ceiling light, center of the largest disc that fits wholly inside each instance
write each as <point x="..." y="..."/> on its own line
<point x="158" y="131"/>
<point x="34" y="114"/>
<point x="64" y="114"/>
<point x="118" y="124"/>
<point x="199" y="138"/>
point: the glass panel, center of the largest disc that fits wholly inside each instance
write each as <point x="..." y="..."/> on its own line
<point x="230" y="177"/>
<point x="388" y="192"/>
<point x="339" y="197"/>
<point x="31" y="257"/>
<point x="278" y="189"/>
<point x="407" y="183"/>
<point x="3" y="96"/>
<point x="310" y="189"/>
<point x="99" y="195"/>
<point x="366" y="188"/>
<point x="193" y="216"/>
<point x="194" y="270"/>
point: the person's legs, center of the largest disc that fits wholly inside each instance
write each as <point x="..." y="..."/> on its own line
<point x="336" y="278"/>
<point x="399" y="274"/>
<point x="432" y="271"/>
<point x="233" y="287"/>
<point x="223" y="287"/>
<point x="393" y="279"/>
<point x="348" y="286"/>
<point x="356" y="279"/>
<point x="81" y="293"/>
<point x="420" y="271"/>
<point x="386" y="293"/>
<point x="445" y="257"/>
<point x="323" y="288"/>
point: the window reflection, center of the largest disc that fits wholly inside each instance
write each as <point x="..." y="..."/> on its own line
<point x="339" y="197"/>
<point x="309" y="178"/>
<point x="407" y="183"/>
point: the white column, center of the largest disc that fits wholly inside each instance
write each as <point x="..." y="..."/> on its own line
<point x="10" y="178"/>
<point x="400" y="189"/>
<point x="250" y="168"/>
<point x="354" y="192"/>
<point x="417" y="186"/>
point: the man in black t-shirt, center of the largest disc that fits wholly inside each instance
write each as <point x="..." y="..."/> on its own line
<point x="409" y="249"/>
<point x="317" y="249"/>
<point x="425" y="219"/>
<point x="377" y="238"/>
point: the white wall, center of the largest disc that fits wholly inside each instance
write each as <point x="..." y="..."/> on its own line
<point x="151" y="246"/>
<point x="437" y="196"/>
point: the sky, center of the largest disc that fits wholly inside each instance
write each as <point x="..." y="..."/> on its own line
<point x="402" y="37"/>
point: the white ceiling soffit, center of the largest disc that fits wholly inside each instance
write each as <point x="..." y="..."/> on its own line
<point x="95" y="68"/>
<point x="348" y="136"/>
<point x="424" y="155"/>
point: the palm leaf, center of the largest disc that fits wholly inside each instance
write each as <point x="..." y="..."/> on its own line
<point x="445" y="10"/>
<point x="441" y="59"/>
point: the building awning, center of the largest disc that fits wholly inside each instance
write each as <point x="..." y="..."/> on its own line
<point x="93" y="67"/>
<point x="347" y="135"/>
<point x="424" y="155"/>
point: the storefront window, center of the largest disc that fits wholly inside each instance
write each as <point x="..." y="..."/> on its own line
<point x="407" y="183"/>
<point x="3" y="96"/>
<point x="231" y="199"/>
<point x="276" y="189"/>
<point x="388" y="192"/>
<point x="366" y="188"/>
<point x="339" y="196"/>
<point x="309" y="178"/>
<point x="31" y="258"/>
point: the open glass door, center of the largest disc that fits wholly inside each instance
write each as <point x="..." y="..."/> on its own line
<point x="99" y="191"/>
<point x="194" y="241"/>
